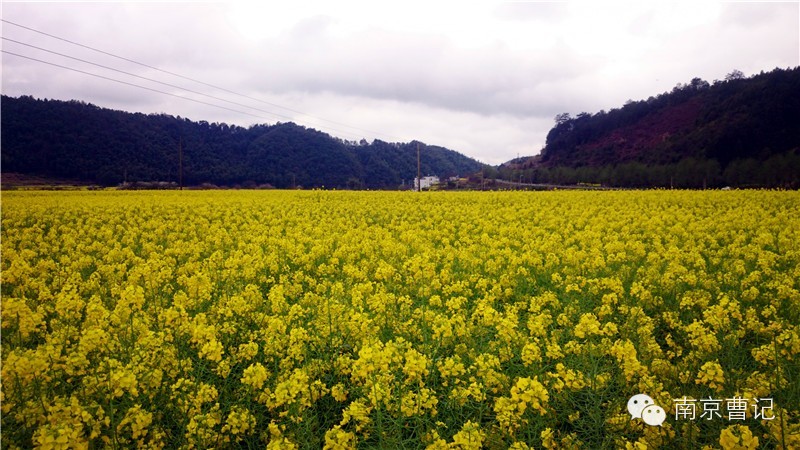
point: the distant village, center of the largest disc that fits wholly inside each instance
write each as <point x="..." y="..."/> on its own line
<point x="426" y="182"/>
<point x="430" y="182"/>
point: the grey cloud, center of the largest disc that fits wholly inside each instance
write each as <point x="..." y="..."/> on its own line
<point x="642" y="24"/>
<point x="428" y="70"/>
<point x="531" y="11"/>
<point x="749" y="14"/>
<point x="486" y="97"/>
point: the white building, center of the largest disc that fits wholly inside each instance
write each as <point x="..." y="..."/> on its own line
<point x="426" y="183"/>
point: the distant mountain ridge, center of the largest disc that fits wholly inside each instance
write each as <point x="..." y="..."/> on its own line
<point x="77" y="140"/>
<point x="738" y="131"/>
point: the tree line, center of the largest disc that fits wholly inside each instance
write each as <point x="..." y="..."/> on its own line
<point x="739" y="132"/>
<point x="77" y="140"/>
<point x="735" y="118"/>
<point x="778" y="171"/>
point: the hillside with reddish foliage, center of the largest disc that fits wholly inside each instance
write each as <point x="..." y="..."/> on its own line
<point x="738" y="118"/>
<point x="636" y="142"/>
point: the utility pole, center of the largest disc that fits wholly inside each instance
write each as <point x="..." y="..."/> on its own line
<point x="419" y="178"/>
<point x="180" y="162"/>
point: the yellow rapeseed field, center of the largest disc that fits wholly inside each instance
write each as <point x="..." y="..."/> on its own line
<point x="316" y="319"/>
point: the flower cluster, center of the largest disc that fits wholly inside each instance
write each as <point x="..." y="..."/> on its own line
<point x="313" y="319"/>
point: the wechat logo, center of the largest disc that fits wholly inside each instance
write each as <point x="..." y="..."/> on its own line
<point x="642" y="406"/>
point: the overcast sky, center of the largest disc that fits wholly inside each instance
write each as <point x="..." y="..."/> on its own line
<point x="483" y="78"/>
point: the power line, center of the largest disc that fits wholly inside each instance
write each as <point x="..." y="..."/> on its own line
<point x="194" y="80"/>
<point x="131" y="84"/>
<point x="161" y="82"/>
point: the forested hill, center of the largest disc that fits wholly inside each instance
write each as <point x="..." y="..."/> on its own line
<point x="80" y="141"/>
<point x="739" y="131"/>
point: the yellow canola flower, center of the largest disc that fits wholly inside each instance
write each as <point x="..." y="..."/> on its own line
<point x="59" y="437"/>
<point x="217" y="306"/>
<point x="470" y="437"/>
<point x="417" y="403"/>
<point x="357" y="412"/>
<point x="338" y="439"/>
<point x="239" y="421"/>
<point x="212" y="350"/>
<point x="531" y="353"/>
<point x="625" y="353"/>
<point x="451" y="367"/>
<point x="17" y="314"/>
<point x="487" y="369"/>
<point x="434" y="442"/>
<point x="526" y="394"/>
<point x="548" y="439"/>
<point x="738" y="437"/>
<point x="339" y="392"/>
<point x="786" y="434"/>
<point x="567" y="378"/>
<point x="588" y="325"/>
<point x="711" y="375"/>
<point x="247" y="351"/>
<point x="203" y="428"/>
<point x="255" y="376"/>
<point x="138" y="420"/>
<point x="277" y="441"/>
<point x="122" y="380"/>
<point x="416" y="365"/>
